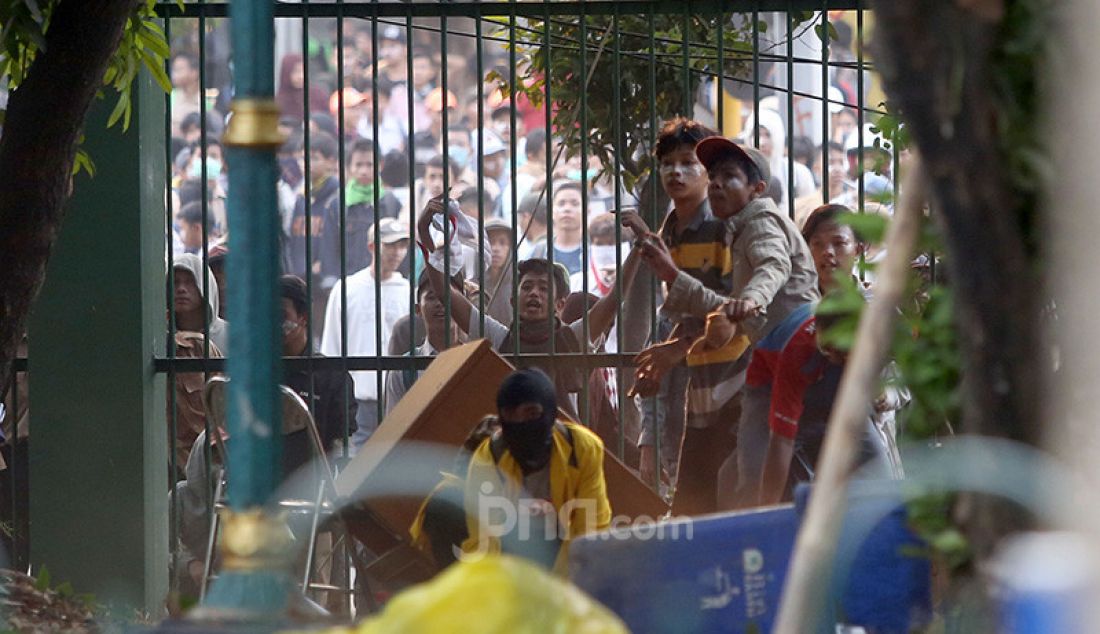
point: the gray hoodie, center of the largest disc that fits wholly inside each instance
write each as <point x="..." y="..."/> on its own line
<point x="219" y="328"/>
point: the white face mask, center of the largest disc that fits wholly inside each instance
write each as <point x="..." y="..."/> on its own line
<point x="289" y="326"/>
<point x="693" y="168"/>
<point x="603" y="255"/>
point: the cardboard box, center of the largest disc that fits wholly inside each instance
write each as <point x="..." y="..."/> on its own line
<point x="430" y="423"/>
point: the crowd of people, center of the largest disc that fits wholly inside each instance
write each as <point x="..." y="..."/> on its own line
<point x="727" y="405"/>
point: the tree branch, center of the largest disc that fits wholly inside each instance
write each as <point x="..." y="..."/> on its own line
<point x="45" y="115"/>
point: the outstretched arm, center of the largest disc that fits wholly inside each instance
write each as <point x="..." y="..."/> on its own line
<point x="461" y="308"/>
<point x="602" y="313"/>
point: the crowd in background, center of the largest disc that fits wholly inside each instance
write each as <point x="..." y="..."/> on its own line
<point x="363" y="158"/>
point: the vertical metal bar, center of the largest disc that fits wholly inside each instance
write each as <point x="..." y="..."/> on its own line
<point x="651" y="402"/>
<point x="480" y="62"/>
<point x="548" y="52"/>
<point x="686" y="60"/>
<point x="825" y="112"/>
<point x="583" y="133"/>
<point x="756" y="72"/>
<point x="376" y="193"/>
<point x="447" y="237"/>
<point x="342" y="176"/>
<point x="719" y="90"/>
<point x="170" y="342"/>
<point x="204" y="256"/>
<point x="790" y="113"/>
<point x="411" y="146"/>
<point x="307" y="192"/>
<point x="512" y="166"/>
<point x="859" y="103"/>
<point x="617" y="126"/>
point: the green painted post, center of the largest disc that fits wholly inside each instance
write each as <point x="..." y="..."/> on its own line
<point x="99" y="456"/>
<point x="255" y="580"/>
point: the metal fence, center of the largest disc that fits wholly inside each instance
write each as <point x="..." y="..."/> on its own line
<point x="599" y="79"/>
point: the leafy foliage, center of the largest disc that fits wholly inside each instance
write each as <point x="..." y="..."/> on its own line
<point x="639" y="71"/>
<point x="1018" y="65"/>
<point x="23" y="27"/>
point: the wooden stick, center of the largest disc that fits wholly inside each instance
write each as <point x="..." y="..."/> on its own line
<point x="804" y="594"/>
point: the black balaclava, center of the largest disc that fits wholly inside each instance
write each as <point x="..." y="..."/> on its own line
<point x="529" y="441"/>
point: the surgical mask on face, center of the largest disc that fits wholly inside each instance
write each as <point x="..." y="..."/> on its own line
<point x="603" y="255"/>
<point x="459" y="154"/>
<point x="213" y="168"/>
<point x="684" y="169"/>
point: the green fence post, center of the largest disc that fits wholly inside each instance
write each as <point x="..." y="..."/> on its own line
<point x="99" y="460"/>
<point x="255" y="582"/>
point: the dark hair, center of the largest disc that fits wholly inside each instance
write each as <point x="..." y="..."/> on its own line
<point x="324" y="143"/>
<point x="395" y="169"/>
<point x="534" y="204"/>
<point x="680" y="131"/>
<point x="602" y="226"/>
<point x="190" y="191"/>
<point x="293" y="143"/>
<point x="822" y="216"/>
<point x="293" y="288"/>
<point x="470" y="195"/>
<point x="536" y="142"/>
<point x="437" y="162"/>
<point x="566" y="184"/>
<point x="363" y="145"/>
<point x="191" y="213"/>
<point x="192" y="120"/>
<point x="541" y="266"/>
<point x="803" y="150"/>
<point x="193" y="60"/>
<point x="424" y="283"/>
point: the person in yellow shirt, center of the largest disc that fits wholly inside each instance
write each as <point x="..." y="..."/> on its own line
<point x="538" y="483"/>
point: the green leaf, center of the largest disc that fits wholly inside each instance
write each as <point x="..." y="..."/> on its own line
<point x="155" y="65"/>
<point x="869" y="227"/>
<point x="120" y="109"/>
<point x="65" y="589"/>
<point x="36" y="13"/>
<point x="43" y="580"/>
<point x="83" y="162"/>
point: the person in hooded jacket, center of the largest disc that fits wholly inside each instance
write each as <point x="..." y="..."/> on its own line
<point x="549" y="473"/>
<point x="196" y="314"/>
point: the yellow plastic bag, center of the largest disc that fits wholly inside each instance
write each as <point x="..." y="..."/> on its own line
<point x="494" y="594"/>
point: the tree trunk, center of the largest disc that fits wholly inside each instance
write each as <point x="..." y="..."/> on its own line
<point x="43" y="123"/>
<point x="935" y="59"/>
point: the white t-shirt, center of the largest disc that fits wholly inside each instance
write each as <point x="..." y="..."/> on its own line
<point x="361" y="323"/>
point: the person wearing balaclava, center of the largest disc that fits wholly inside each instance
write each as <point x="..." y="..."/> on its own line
<point x="521" y="478"/>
